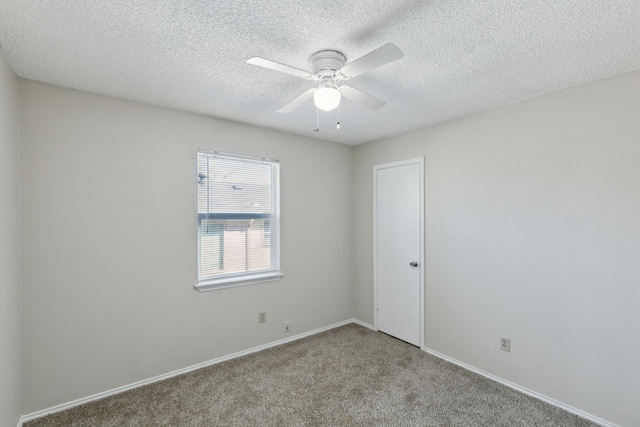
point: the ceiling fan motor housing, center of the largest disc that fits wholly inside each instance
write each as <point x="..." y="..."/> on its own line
<point x="326" y="63"/>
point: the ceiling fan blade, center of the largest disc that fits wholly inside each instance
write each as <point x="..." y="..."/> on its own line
<point x="301" y="99"/>
<point x="371" y="102"/>
<point x="272" y="65"/>
<point x="374" y="59"/>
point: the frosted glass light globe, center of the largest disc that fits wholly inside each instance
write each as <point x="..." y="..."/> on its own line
<point x="327" y="98"/>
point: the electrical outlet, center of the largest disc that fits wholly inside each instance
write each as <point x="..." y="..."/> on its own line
<point x="505" y="344"/>
<point x="262" y="317"/>
<point x="286" y="327"/>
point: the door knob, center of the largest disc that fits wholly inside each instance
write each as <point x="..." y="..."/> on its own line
<point x="413" y="263"/>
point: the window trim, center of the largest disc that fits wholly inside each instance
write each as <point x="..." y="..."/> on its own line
<point x="242" y="279"/>
<point x="232" y="282"/>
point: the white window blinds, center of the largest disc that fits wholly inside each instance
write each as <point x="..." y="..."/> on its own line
<point x="238" y="220"/>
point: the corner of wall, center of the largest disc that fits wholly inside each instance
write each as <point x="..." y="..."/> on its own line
<point x="10" y="270"/>
<point x="352" y="237"/>
<point x="20" y="289"/>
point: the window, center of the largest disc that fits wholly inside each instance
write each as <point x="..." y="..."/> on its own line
<point x="238" y="220"/>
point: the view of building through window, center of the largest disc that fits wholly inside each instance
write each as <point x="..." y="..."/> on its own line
<point x="247" y="240"/>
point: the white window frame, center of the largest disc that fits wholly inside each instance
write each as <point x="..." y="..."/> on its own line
<point x="230" y="280"/>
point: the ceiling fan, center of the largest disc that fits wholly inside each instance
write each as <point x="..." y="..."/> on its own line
<point x="328" y="69"/>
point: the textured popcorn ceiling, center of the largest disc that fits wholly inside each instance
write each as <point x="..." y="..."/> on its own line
<point x="461" y="57"/>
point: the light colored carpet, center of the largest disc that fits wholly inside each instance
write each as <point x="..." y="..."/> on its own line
<point x="349" y="376"/>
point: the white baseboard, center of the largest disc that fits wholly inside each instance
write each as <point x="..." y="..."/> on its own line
<point x="361" y="323"/>
<point x="64" y="406"/>
<point x="521" y="389"/>
<point x="102" y="395"/>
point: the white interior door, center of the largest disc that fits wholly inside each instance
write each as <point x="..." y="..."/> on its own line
<point x="398" y="249"/>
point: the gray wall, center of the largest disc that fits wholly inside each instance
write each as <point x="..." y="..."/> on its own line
<point x="532" y="232"/>
<point x="109" y="243"/>
<point x="10" y="306"/>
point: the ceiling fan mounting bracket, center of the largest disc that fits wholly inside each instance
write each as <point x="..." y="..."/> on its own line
<point x="326" y="63"/>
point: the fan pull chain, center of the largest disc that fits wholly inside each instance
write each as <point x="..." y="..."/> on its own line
<point x="338" y="117"/>
<point x="317" y="129"/>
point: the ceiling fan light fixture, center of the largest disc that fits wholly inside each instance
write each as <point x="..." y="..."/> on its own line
<point x="327" y="98"/>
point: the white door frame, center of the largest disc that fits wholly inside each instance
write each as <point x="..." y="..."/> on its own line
<point x="376" y="168"/>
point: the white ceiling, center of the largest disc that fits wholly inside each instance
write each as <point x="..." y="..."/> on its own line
<point x="461" y="57"/>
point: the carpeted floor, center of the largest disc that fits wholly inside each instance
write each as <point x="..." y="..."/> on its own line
<point x="349" y="376"/>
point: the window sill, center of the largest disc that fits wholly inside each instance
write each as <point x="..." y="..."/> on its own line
<point x="232" y="282"/>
